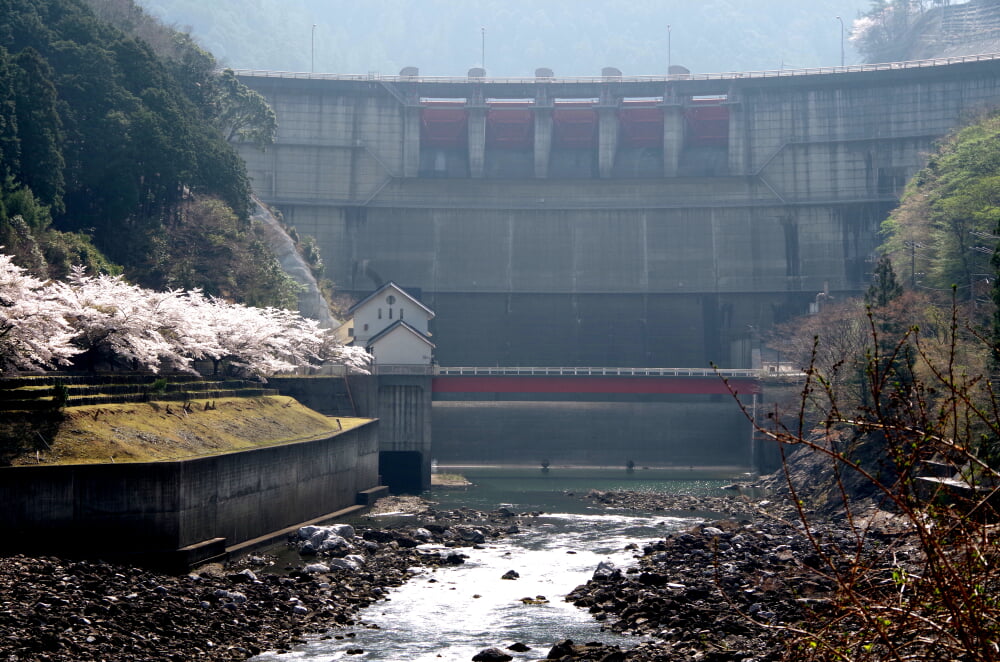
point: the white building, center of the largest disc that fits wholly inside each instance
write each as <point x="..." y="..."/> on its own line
<point x="392" y="326"/>
<point x="400" y="344"/>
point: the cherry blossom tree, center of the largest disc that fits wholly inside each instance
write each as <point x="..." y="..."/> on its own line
<point x="103" y="320"/>
<point x="33" y="329"/>
<point x="264" y="341"/>
<point x="118" y="323"/>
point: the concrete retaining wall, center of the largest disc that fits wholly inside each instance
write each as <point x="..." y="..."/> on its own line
<point x="153" y="509"/>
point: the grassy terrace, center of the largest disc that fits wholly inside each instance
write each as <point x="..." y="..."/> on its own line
<point x="159" y="430"/>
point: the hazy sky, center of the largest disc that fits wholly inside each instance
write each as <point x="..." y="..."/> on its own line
<point x="573" y="37"/>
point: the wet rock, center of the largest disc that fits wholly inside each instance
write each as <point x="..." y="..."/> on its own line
<point x="377" y="535"/>
<point x="405" y="541"/>
<point x="244" y="576"/>
<point x="491" y="655"/>
<point x="607" y="570"/>
<point x="511" y="574"/>
<point x="561" y="649"/>
<point x="474" y="536"/>
<point x="537" y="600"/>
<point x="454" y="558"/>
<point x="316" y="568"/>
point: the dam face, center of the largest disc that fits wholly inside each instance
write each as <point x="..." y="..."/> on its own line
<point x="611" y="221"/>
<point x="608" y="221"/>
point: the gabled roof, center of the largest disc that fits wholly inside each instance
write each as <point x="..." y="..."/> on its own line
<point x="392" y="327"/>
<point x="390" y="285"/>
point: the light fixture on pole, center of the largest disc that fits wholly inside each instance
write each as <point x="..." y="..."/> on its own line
<point x="668" y="50"/>
<point x="841" y="40"/>
<point x="482" y="51"/>
<point x="312" y="51"/>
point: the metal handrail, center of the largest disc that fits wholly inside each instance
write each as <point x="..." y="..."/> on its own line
<point x="452" y="371"/>
<point x="732" y="75"/>
<point x="402" y="369"/>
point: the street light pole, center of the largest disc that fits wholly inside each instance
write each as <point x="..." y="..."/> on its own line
<point x="668" y="50"/>
<point x="841" y="40"/>
<point x="482" y="53"/>
<point x="312" y="50"/>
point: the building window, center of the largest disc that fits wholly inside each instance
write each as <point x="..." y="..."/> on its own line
<point x="390" y="299"/>
<point x="366" y="327"/>
<point x="350" y="332"/>
<point x="400" y="313"/>
<point x="380" y="313"/>
<point x="390" y="313"/>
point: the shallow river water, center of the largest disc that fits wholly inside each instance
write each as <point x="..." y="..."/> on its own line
<point x="452" y="613"/>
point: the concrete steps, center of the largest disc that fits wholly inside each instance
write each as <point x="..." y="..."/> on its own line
<point x="38" y="392"/>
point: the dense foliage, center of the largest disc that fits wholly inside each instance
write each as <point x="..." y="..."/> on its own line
<point x="113" y="154"/>
<point x="945" y="229"/>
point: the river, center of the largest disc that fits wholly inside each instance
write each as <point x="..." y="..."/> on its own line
<point x="452" y="613"/>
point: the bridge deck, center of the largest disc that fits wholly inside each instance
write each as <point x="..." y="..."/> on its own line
<point x="690" y="381"/>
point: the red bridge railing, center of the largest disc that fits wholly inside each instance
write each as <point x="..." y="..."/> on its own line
<point x="703" y="381"/>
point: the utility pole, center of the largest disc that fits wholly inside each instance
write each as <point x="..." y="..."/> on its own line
<point x="312" y="50"/>
<point x="482" y="52"/>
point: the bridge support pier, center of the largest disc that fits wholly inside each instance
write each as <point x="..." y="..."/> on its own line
<point x="543" y="141"/>
<point x="477" y="142"/>
<point x="402" y="405"/>
<point x="607" y="137"/>
<point x="673" y="137"/>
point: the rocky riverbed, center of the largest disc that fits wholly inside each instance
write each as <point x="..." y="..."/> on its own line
<point x="726" y="589"/>
<point x="731" y="589"/>
<point x="53" y="609"/>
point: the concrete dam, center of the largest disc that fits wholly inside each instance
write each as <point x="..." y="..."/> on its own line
<point x="626" y="221"/>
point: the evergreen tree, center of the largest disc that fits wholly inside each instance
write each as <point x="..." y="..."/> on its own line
<point x="39" y="128"/>
<point x="884" y="286"/>
<point x="10" y="147"/>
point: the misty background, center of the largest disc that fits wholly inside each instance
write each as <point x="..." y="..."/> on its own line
<point x="572" y="37"/>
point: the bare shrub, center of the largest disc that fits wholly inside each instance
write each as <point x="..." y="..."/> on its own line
<point x="908" y="436"/>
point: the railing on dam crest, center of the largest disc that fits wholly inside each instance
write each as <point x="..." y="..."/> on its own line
<point x="770" y="73"/>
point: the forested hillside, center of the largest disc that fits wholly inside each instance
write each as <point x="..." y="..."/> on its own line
<point x="115" y="156"/>
<point x="945" y="231"/>
<point x="573" y="37"/>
